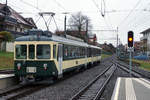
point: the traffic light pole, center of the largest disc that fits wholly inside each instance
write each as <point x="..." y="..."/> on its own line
<point x="130" y="62"/>
<point x="131" y="48"/>
<point x="117" y="43"/>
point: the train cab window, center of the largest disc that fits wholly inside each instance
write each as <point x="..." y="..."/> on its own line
<point x="31" y="51"/>
<point x="21" y="51"/>
<point x="43" y="51"/>
<point x="54" y="51"/>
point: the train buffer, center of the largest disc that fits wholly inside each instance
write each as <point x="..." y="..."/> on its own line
<point x="131" y="89"/>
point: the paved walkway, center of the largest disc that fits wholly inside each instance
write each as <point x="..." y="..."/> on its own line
<point x="131" y="89"/>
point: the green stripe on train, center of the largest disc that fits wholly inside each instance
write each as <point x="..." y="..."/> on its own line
<point x="40" y="71"/>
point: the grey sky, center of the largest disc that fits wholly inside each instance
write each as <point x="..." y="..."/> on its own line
<point x="137" y="20"/>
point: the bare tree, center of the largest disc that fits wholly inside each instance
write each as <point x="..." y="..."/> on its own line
<point x="79" y="22"/>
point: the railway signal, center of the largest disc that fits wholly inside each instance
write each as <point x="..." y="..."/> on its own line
<point x="130" y="39"/>
<point x="130" y="48"/>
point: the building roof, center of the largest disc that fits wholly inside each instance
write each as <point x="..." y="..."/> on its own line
<point x="91" y="36"/>
<point x="13" y="14"/>
<point x="145" y="31"/>
<point x="31" y="21"/>
<point x="1" y="5"/>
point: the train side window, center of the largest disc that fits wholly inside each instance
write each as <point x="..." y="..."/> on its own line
<point x="78" y="52"/>
<point x="90" y="52"/>
<point x="73" y="51"/>
<point x="65" y="51"/>
<point x="54" y="51"/>
<point x="69" y="51"/>
<point x="100" y="52"/>
<point x="31" y="51"/>
<point x="57" y="53"/>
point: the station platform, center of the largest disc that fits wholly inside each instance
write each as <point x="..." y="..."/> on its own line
<point x="2" y="76"/>
<point x="7" y="80"/>
<point x="131" y="89"/>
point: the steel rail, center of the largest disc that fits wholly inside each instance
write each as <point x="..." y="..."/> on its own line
<point x="103" y="87"/>
<point x="19" y="92"/>
<point x="83" y="90"/>
<point x="134" y="72"/>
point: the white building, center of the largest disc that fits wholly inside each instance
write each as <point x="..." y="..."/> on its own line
<point x="146" y="41"/>
<point x="13" y="23"/>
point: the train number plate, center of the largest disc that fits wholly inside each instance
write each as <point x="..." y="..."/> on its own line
<point x="31" y="69"/>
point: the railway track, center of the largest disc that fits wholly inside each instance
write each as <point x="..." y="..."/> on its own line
<point x="134" y="72"/>
<point x="95" y="88"/>
<point x="20" y="91"/>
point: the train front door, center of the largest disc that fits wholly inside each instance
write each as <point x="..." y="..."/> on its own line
<point x="60" y="59"/>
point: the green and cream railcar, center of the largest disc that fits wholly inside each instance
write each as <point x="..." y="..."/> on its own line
<point x="42" y="56"/>
<point x="94" y="54"/>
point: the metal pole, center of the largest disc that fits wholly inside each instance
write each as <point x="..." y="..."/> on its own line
<point x="117" y="48"/>
<point x="65" y="25"/>
<point x="86" y="31"/>
<point x="130" y="62"/>
<point x="45" y="23"/>
<point x="6" y="2"/>
<point x="117" y="43"/>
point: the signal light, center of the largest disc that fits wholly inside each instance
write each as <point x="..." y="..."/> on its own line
<point x="130" y="39"/>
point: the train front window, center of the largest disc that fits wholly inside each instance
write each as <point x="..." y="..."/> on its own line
<point x="31" y="51"/>
<point x="43" y="51"/>
<point x="21" y="52"/>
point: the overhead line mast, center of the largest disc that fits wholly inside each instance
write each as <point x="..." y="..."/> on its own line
<point x="6" y="2"/>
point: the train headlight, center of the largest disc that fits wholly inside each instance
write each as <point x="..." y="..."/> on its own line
<point x="19" y="66"/>
<point x="45" y="66"/>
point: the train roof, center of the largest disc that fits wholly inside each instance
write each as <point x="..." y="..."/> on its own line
<point x="52" y="38"/>
<point x="39" y="35"/>
<point x="92" y="46"/>
<point x="68" y="41"/>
